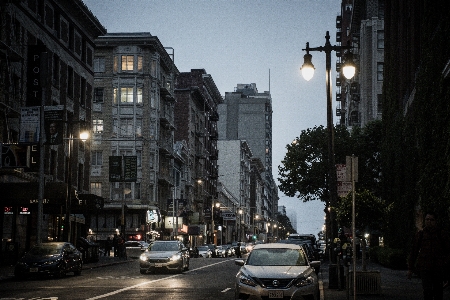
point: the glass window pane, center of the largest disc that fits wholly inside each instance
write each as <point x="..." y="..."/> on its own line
<point x="140" y="63"/>
<point x="126" y="95"/>
<point x="127" y="62"/>
<point x="139" y="95"/>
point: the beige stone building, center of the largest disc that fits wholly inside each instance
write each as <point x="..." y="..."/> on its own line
<point x="133" y="123"/>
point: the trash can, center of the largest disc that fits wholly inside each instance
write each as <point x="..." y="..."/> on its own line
<point x="333" y="282"/>
<point x="12" y="252"/>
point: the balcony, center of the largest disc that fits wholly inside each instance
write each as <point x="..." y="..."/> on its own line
<point x="338" y="21"/>
<point x="338" y="96"/>
<point x="214" y="136"/>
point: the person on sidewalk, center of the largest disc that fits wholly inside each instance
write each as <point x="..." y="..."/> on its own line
<point x="108" y="246"/>
<point x="429" y="257"/>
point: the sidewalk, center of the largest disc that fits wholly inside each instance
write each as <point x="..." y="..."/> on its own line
<point x="394" y="285"/>
<point x="7" y="272"/>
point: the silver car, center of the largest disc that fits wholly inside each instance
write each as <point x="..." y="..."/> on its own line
<point x="277" y="271"/>
<point x="135" y="248"/>
<point x="164" y="255"/>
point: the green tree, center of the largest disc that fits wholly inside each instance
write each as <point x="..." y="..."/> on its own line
<point x="304" y="170"/>
<point x="370" y="211"/>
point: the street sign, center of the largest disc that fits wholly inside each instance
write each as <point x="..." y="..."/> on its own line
<point x="228" y="216"/>
<point x="343" y="188"/>
<point x="340" y="173"/>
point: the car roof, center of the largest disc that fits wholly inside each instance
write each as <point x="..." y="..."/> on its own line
<point x="276" y="245"/>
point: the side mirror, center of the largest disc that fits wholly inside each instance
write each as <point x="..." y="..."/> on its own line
<point x="239" y="262"/>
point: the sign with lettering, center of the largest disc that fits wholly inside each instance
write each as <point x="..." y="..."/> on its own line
<point x="36" y="74"/>
<point x="130" y="169"/>
<point x="30" y="124"/>
<point x="115" y="168"/>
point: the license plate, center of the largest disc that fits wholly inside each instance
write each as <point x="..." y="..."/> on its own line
<point x="33" y="270"/>
<point x="275" y="294"/>
<point x="158" y="265"/>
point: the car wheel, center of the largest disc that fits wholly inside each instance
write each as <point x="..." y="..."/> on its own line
<point x="77" y="272"/>
<point x="61" y="271"/>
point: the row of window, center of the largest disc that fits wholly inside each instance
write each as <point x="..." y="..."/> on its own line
<point x="134" y="187"/>
<point x="97" y="157"/>
<point x="126" y="63"/>
<point x="124" y="127"/>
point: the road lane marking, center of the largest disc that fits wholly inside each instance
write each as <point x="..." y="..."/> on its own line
<point x="226" y="290"/>
<point x="151" y="281"/>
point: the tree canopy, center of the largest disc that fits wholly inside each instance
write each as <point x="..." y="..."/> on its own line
<point x="304" y="169"/>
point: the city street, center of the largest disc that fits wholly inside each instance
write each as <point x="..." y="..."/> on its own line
<point x="206" y="279"/>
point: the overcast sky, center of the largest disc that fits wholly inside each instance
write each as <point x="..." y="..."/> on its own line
<point x="239" y="41"/>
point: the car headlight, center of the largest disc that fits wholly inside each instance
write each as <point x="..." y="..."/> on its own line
<point x="176" y="257"/>
<point x="304" y="281"/>
<point x="143" y="257"/>
<point x="247" y="280"/>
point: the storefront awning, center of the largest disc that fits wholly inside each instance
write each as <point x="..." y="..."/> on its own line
<point x="26" y="193"/>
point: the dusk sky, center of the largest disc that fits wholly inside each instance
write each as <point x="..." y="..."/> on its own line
<point x="239" y="41"/>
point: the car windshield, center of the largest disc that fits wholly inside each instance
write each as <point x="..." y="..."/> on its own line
<point x="276" y="257"/>
<point x="202" y="248"/>
<point x="46" y="249"/>
<point x="163" y="247"/>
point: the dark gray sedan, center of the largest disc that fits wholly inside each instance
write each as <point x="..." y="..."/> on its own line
<point x="164" y="255"/>
<point x="56" y="258"/>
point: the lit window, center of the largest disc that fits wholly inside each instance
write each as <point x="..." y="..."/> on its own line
<point x="126" y="95"/>
<point x="96" y="188"/>
<point x="140" y="63"/>
<point x="127" y="62"/>
<point x="98" y="125"/>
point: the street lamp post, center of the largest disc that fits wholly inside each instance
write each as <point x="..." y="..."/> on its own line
<point x="307" y="72"/>
<point x="84" y="135"/>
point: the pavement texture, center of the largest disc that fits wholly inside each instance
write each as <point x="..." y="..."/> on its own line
<point x="394" y="283"/>
<point x="7" y="271"/>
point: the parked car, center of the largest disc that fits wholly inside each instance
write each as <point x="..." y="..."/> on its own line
<point x="164" y="255"/>
<point x="134" y="249"/>
<point x="277" y="270"/>
<point x="213" y="248"/>
<point x="204" y="251"/>
<point x="223" y="251"/>
<point x="231" y="250"/>
<point x="55" y="258"/>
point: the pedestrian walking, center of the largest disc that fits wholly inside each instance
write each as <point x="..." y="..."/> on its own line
<point x="108" y="246"/>
<point x="115" y="244"/>
<point x="238" y="250"/>
<point x="429" y="258"/>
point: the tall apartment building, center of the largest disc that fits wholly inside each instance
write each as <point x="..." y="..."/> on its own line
<point x="46" y="58"/>
<point x="361" y="24"/>
<point x="197" y="98"/>
<point x="235" y="173"/>
<point x="133" y="124"/>
<point x="246" y="115"/>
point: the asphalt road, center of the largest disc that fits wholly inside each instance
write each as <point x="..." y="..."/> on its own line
<point x="205" y="279"/>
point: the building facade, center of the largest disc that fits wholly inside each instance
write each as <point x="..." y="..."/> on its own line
<point x="246" y="115"/>
<point x="235" y="162"/>
<point x="361" y="25"/>
<point x="196" y="124"/>
<point x="133" y="136"/>
<point x="46" y="65"/>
